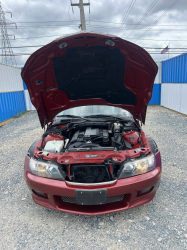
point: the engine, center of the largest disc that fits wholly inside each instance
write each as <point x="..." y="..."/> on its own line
<point x="122" y="136"/>
<point x="90" y="137"/>
<point x="111" y="136"/>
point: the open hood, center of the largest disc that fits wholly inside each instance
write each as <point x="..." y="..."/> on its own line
<point x="89" y="69"/>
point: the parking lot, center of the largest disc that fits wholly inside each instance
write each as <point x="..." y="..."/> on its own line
<point x="160" y="224"/>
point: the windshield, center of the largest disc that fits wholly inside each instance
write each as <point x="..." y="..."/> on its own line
<point x="96" y="110"/>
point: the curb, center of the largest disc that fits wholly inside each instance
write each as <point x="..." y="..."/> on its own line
<point x="3" y="123"/>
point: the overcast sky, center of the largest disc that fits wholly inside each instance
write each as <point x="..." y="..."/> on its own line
<point x="105" y="17"/>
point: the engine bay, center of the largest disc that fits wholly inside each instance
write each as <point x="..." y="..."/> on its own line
<point x="92" y="151"/>
<point x="96" y="135"/>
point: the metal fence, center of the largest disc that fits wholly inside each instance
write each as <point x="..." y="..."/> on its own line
<point x="12" y="100"/>
<point x="174" y="84"/>
<point x="156" y="94"/>
<point x="28" y="103"/>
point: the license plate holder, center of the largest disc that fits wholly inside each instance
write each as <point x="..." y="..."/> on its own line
<point x="91" y="197"/>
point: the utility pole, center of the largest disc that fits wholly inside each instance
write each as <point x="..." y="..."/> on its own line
<point x="7" y="52"/>
<point x="82" y="16"/>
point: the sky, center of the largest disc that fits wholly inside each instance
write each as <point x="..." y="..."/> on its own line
<point x="152" y="24"/>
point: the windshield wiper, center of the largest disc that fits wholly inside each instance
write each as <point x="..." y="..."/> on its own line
<point x="108" y="117"/>
<point x="68" y="119"/>
<point x="72" y="116"/>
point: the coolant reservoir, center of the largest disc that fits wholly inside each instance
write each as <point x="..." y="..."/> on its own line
<point x="54" y="146"/>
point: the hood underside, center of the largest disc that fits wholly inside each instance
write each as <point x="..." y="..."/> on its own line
<point x="89" y="69"/>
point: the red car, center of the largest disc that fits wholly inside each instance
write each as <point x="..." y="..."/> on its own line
<point x="91" y="93"/>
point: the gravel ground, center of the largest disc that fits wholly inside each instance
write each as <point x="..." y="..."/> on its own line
<point x="160" y="224"/>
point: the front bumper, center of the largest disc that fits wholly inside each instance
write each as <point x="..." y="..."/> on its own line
<point x="131" y="188"/>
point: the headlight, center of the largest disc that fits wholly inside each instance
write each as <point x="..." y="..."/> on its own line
<point x="49" y="170"/>
<point x="137" y="167"/>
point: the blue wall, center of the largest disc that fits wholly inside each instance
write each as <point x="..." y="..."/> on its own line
<point x="174" y="70"/>
<point x="156" y="95"/>
<point x="11" y="104"/>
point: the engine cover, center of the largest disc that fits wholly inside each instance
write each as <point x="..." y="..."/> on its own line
<point x="89" y="135"/>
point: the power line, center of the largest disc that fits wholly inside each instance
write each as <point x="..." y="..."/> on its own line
<point x="24" y="46"/>
<point x="142" y="39"/>
<point x="100" y="22"/>
<point x="126" y="15"/>
<point x="103" y="27"/>
<point x="163" y="48"/>
<point x="94" y="26"/>
<point x="143" y="7"/>
<point x="31" y="46"/>
<point x="143" y="17"/>
<point x="89" y="11"/>
<point x="52" y="25"/>
<point x="158" y="19"/>
<point x="158" y="53"/>
<point x="156" y="40"/>
<point x="182" y="44"/>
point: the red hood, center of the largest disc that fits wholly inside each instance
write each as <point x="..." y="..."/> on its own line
<point x="89" y="69"/>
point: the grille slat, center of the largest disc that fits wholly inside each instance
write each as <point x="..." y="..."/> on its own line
<point x="93" y="173"/>
<point x="115" y="198"/>
<point x="109" y="200"/>
<point x="68" y="199"/>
